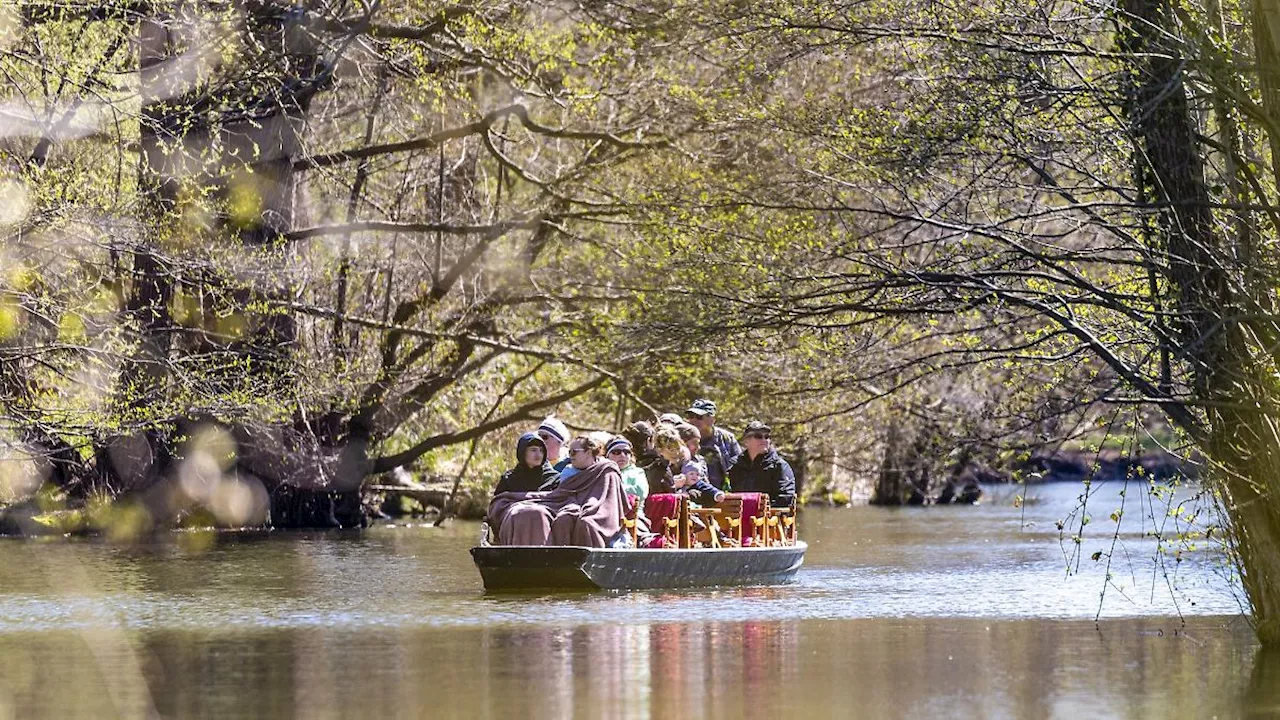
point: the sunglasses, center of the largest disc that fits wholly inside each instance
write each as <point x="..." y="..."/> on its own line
<point x="575" y="451"/>
<point x="757" y="435"/>
<point x="547" y="437"/>
<point x="619" y="452"/>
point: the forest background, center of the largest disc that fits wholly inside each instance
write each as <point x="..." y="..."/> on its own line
<point x="258" y="254"/>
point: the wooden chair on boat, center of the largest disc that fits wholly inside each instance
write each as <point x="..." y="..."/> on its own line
<point x="741" y="518"/>
<point x="629" y="522"/>
<point x="782" y="525"/>
<point x="757" y="523"/>
<point x="723" y="521"/>
<point x="712" y="520"/>
<point x="669" y="518"/>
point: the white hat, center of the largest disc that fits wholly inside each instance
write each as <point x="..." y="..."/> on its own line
<point x="553" y="425"/>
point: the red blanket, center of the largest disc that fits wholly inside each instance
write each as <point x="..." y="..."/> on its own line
<point x="752" y="506"/>
<point x="660" y="508"/>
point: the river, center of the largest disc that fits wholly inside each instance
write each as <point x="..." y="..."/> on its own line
<point x="983" y="611"/>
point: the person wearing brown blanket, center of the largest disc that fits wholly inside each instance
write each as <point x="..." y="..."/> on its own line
<point x="584" y="510"/>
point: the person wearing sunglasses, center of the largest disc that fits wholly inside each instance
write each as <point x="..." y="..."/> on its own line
<point x="761" y="469"/>
<point x="634" y="482"/>
<point x="717" y="446"/>
<point x="554" y="435"/>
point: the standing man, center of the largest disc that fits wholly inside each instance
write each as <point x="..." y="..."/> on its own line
<point x="718" y="446"/>
<point x="762" y="469"/>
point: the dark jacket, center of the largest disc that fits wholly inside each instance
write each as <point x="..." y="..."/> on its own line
<point x="766" y="473"/>
<point x="656" y="470"/>
<point x="721" y="451"/>
<point x="523" y="478"/>
<point x="701" y="492"/>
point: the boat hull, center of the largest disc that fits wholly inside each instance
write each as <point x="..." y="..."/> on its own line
<point x="513" y="568"/>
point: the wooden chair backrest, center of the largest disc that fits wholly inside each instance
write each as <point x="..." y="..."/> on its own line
<point x="730" y="520"/>
<point x="790" y="524"/>
<point x="669" y="517"/>
<point x="754" y="525"/>
<point x="630" y="512"/>
<point x="684" y="531"/>
<point x="781" y="527"/>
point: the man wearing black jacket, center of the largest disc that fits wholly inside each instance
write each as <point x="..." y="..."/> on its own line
<point x="761" y="469"/>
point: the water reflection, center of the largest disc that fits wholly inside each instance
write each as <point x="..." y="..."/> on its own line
<point x="874" y="668"/>
<point x="1264" y="685"/>
<point x="954" y="612"/>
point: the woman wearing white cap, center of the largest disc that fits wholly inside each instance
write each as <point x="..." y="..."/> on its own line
<point x="555" y="435"/>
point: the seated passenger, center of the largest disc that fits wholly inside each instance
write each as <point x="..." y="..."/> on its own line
<point x="689" y="473"/>
<point x="692" y="439"/>
<point x="634" y="483"/>
<point x="555" y="435"/>
<point x="718" y="446"/>
<point x="584" y="510"/>
<point x="655" y="467"/>
<point x="761" y="469"/>
<point x="600" y="438"/>
<point x="671" y="419"/>
<point x="532" y="471"/>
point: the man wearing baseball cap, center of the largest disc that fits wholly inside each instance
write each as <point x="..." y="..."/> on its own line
<point x="762" y="469"/>
<point x="718" y="447"/>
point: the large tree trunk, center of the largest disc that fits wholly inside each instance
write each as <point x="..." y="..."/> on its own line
<point x="134" y="460"/>
<point x="1229" y="378"/>
<point x="308" y="484"/>
<point x="907" y="470"/>
<point x="1247" y="447"/>
<point x="1266" y="45"/>
<point x="891" y="479"/>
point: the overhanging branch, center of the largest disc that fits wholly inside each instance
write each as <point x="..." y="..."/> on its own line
<point x="528" y="411"/>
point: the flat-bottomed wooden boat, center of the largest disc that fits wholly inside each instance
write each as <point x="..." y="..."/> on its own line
<point x="513" y="568"/>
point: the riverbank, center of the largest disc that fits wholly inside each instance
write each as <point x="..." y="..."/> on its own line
<point x="964" y="486"/>
<point x="400" y="496"/>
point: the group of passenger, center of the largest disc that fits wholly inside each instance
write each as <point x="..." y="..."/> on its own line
<point x="567" y="490"/>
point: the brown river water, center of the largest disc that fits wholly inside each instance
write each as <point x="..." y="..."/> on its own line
<point x="897" y="613"/>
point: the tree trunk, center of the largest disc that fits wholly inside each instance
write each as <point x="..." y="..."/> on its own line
<point x="1248" y="448"/>
<point x="151" y="286"/>
<point x="891" y="480"/>
<point x="1266" y="47"/>
<point x="1242" y="442"/>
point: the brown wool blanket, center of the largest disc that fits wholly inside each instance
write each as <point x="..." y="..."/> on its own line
<point x="584" y="510"/>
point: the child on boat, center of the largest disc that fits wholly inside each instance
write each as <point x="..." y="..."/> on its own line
<point x="688" y="471"/>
